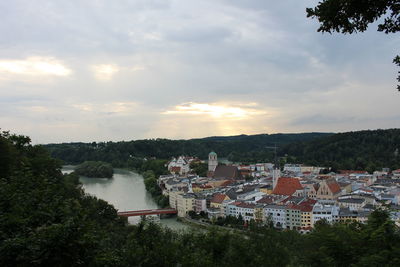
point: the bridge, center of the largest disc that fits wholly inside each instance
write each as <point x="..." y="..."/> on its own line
<point x="147" y="212"/>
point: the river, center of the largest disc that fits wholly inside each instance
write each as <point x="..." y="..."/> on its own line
<point x="125" y="191"/>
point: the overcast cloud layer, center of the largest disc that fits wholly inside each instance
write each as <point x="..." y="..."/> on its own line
<point x="121" y="70"/>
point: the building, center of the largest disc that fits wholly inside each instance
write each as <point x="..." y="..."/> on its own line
<point x="223" y="172"/>
<point x="173" y="198"/>
<point x="295" y="168"/>
<point x="276" y="214"/>
<point x="293" y="217"/>
<point x="351" y="203"/>
<point x="306" y="208"/>
<point x="287" y="186"/>
<point x="217" y="199"/>
<point x="179" y="166"/>
<point x="185" y="203"/>
<point x="396" y="173"/>
<point x="327" y="212"/>
<point x="200" y="204"/>
<point x="329" y="189"/>
<point x="212" y="163"/>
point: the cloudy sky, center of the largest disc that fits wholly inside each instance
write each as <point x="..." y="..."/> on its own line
<point x="99" y="70"/>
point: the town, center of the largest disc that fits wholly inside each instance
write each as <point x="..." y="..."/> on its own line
<point x="295" y="198"/>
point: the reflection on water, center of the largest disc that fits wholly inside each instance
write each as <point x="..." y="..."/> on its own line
<point x="125" y="191"/>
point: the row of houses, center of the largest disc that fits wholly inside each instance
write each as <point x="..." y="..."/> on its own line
<point x="286" y="200"/>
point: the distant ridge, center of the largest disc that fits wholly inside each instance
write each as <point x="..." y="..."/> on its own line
<point x="235" y="148"/>
<point x="358" y="150"/>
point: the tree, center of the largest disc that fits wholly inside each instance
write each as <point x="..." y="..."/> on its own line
<point x="351" y="16"/>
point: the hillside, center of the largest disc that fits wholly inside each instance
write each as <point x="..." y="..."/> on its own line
<point x="235" y="148"/>
<point x="361" y="150"/>
<point x="48" y="220"/>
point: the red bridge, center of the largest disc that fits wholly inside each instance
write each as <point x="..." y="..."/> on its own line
<point x="146" y="212"/>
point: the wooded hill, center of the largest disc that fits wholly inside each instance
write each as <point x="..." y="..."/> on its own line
<point x="47" y="220"/>
<point x="361" y="150"/>
<point x="128" y="153"/>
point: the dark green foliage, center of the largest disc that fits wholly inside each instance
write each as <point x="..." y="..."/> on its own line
<point x="150" y="182"/>
<point x="362" y="150"/>
<point x="349" y="16"/>
<point x="45" y="217"/>
<point x="47" y="220"/>
<point x="131" y="154"/>
<point x="373" y="244"/>
<point x="199" y="168"/>
<point x="96" y="169"/>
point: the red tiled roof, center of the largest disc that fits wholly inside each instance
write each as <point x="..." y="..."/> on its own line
<point x="175" y="169"/>
<point x="351" y="171"/>
<point x="245" y="205"/>
<point x="218" y="198"/>
<point x="287" y="186"/>
<point x="227" y="172"/>
<point x="307" y="206"/>
<point x="333" y="185"/>
<point x="201" y="186"/>
<point x="267" y="200"/>
<point x="226" y="183"/>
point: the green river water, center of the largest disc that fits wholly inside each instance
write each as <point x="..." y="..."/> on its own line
<point x="125" y="191"/>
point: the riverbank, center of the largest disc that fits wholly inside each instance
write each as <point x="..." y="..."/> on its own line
<point x="206" y="226"/>
<point x="125" y="191"/>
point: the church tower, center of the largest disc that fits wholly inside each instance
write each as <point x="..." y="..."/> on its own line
<point x="276" y="173"/>
<point x="212" y="161"/>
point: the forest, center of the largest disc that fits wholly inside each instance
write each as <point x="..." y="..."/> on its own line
<point x="360" y="150"/>
<point x="129" y="153"/>
<point x="48" y="220"/>
<point x="96" y="169"/>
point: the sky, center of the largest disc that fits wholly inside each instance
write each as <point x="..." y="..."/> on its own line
<point x="99" y="70"/>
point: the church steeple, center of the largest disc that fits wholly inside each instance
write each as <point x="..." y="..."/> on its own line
<point x="212" y="161"/>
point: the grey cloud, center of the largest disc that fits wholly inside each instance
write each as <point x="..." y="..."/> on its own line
<point x="266" y="52"/>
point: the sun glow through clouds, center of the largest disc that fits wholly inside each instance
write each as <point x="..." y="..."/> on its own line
<point x="105" y="72"/>
<point x="34" y="66"/>
<point x="216" y="110"/>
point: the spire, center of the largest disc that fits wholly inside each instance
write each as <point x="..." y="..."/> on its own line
<point x="190" y="188"/>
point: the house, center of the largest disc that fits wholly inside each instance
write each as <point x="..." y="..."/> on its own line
<point x="347" y="215"/>
<point x="329" y="189"/>
<point x="276" y="214"/>
<point x="295" y="168"/>
<point x="200" y="204"/>
<point x="293" y="217"/>
<point x="179" y="166"/>
<point x="287" y="186"/>
<point x="237" y="208"/>
<point x="351" y="203"/>
<point x="185" y="203"/>
<point x="227" y="173"/>
<point x="173" y="195"/>
<point x="330" y="213"/>
<point x="267" y="189"/>
<point x="306" y="208"/>
<point x="396" y="173"/>
<point x="246" y="210"/>
<point x="217" y="199"/>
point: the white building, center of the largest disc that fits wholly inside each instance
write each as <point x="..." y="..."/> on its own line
<point x="236" y="209"/>
<point x="179" y="166"/>
<point x="328" y="212"/>
<point x="212" y="161"/>
<point x="296" y="168"/>
<point x="277" y="214"/>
